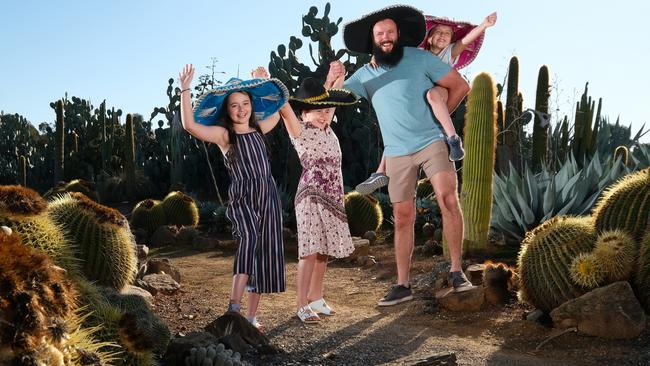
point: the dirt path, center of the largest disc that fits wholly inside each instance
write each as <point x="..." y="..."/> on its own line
<point x="363" y="334"/>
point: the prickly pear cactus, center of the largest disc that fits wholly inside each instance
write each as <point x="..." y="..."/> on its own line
<point x="626" y="205"/>
<point x="216" y="355"/>
<point x="616" y="253"/>
<point x="546" y="255"/>
<point x="102" y="237"/>
<point x="363" y="212"/>
<point x="180" y="209"/>
<point x="24" y="211"/>
<point x="148" y="215"/>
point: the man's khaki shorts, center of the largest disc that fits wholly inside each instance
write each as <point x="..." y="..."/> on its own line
<point x="403" y="170"/>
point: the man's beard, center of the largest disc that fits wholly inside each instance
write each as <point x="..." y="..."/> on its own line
<point x="391" y="58"/>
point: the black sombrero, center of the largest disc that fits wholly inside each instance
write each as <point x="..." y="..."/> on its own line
<point x="357" y="34"/>
<point x="311" y="94"/>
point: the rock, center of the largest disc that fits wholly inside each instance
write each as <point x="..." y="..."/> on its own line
<point x="159" y="283"/>
<point x="608" y="312"/>
<point x="371" y="236"/>
<point x="428" y="230"/>
<point x="471" y="300"/>
<point x="141" y="235"/>
<point x="135" y="290"/>
<point x="361" y="248"/>
<point x="370" y="262"/>
<point x="180" y="346"/>
<point x="204" y="243"/>
<point x="230" y="245"/>
<point x="442" y="359"/>
<point x="163" y="265"/>
<point x="142" y="251"/>
<point x="163" y="236"/>
<point x="437" y="235"/>
<point x="535" y="315"/>
<point x="474" y="273"/>
<point x="233" y="325"/>
<point x="5" y="230"/>
<point x="186" y="235"/>
<point x="431" y="248"/>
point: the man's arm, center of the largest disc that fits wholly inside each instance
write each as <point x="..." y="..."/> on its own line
<point x="456" y="86"/>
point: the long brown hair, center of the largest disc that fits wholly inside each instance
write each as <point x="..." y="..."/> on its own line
<point x="229" y="125"/>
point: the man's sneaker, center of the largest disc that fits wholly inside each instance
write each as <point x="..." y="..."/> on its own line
<point x="234" y="307"/>
<point x="456" y="151"/>
<point x="373" y="183"/>
<point x="397" y="294"/>
<point x="459" y="282"/>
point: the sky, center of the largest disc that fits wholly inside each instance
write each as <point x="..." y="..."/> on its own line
<point x="125" y="51"/>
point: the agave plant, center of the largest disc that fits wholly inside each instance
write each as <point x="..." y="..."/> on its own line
<point x="522" y="202"/>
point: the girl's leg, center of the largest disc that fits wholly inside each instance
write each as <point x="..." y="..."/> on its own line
<point x="237" y="292"/>
<point x="304" y="278"/>
<point x="437" y="98"/>
<point x="317" y="279"/>
<point x="253" y="303"/>
<point x="382" y="165"/>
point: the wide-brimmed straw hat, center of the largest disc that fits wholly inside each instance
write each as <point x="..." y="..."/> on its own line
<point x="311" y="94"/>
<point x="268" y="96"/>
<point x="460" y="30"/>
<point x="357" y="34"/>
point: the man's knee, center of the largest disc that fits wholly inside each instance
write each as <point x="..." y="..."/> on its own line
<point x="404" y="215"/>
<point x="449" y="202"/>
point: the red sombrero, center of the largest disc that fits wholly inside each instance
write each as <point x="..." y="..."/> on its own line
<point x="460" y="30"/>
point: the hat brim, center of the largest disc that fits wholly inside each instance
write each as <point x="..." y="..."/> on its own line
<point x="336" y="98"/>
<point x="357" y="34"/>
<point x="460" y="30"/>
<point x="268" y="96"/>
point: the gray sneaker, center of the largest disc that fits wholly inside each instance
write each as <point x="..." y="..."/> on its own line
<point x="459" y="282"/>
<point x="373" y="183"/>
<point x="233" y="307"/>
<point x="456" y="151"/>
<point x="397" y="294"/>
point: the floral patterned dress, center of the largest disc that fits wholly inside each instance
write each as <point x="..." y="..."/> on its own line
<point x="320" y="211"/>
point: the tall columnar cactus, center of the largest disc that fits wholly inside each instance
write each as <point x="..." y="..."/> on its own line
<point x="583" y="131"/>
<point x="540" y="134"/>
<point x="24" y="211"/>
<point x="23" y="170"/>
<point x="103" y="238"/>
<point x="512" y="121"/>
<point x="129" y="157"/>
<point x="626" y="205"/>
<point x="148" y="215"/>
<point x="180" y="209"/>
<point x="616" y="254"/>
<point x="545" y="259"/>
<point x="622" y="153"/>
<point x="642" y="275"/>
<point x="363" y="212"/>
<point x="480" y="143"/>
<point x="176" y="149"/>
<point x="59" y="156"/>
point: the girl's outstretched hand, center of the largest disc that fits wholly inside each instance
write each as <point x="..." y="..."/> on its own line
<point x="260" y="73"/>
<point x="185" y="76"/>
<point x="490" y="20"/>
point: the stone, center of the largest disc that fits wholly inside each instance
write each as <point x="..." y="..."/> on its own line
<point x="437" y="235"/>
<point x="230" y="245"/>
<point x="474" y="273"/>
<point x="428" y="230"/>
<point x="6" y="230"/>
<point x="371" y="236"/>
<point x="186" y="235"/>
<point x="467" y="301"/>
<point x="142" y="251"/>
<point x="608" y="312"/>
<point x="232" y="325"/>
<point x="140" y="235"/>
<point x="159" y="283"/>
<point x="361" y="248"/>
<point x="204" y="243"/>
<point x="163" y="236"/>
<point x="180" y="346"/>
<point x="135" y="290"/>
<point x="163" y="265"/>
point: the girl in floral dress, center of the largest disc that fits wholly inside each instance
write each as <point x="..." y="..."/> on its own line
<point x="320" y="212"/>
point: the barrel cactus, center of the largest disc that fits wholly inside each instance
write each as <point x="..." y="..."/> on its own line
<point x="545" y="259"/>
<point x="102" y="237"/>
<point x="363" y="212"/>
<point x="216" y="355"/>
<point x="626" y="205"/>
<point x="148" y="215"/>
<point x="180" y="209"/>
<point x="25" y="212"/>
<point x="586" y="272"/>
<point x="76" y="185"/>
<point x="424" y="188"/>
<point x="616" y="253"/>
<point x="480" y="145"/>
<point x="642" y="276"/>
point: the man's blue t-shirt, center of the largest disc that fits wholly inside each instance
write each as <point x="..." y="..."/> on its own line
<point x="399" y="97"/>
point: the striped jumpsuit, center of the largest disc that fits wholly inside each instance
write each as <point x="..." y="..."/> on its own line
<point x="256" y="216"/>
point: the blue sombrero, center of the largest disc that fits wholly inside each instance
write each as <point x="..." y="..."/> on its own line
<point x="268" y="96"/>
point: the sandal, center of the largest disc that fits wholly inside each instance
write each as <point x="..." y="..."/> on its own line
<point x="307" y="315"/>
<point x="256" y="323"/>
<point x="321" y="307"/>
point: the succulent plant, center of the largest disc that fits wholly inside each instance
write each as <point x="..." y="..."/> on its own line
<point x="363" y="212"/>
<point x="180" y="209"/>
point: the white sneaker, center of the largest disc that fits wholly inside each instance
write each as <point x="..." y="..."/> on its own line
<point x="321" y="307"/>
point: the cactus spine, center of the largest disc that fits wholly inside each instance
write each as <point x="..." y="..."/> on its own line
<point x="102" y="236"/>
<point x="540" y="134"/>
<point x="616" y="253"/>
<point x="586" y="272"/>
<point x="129" y="157"/>
<point x="480" y="140"/>
<point x="626" y="205"/>
<point x="59" y="157"/>
<point x="363" y="212"/>
<point x="546" y="257"/>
